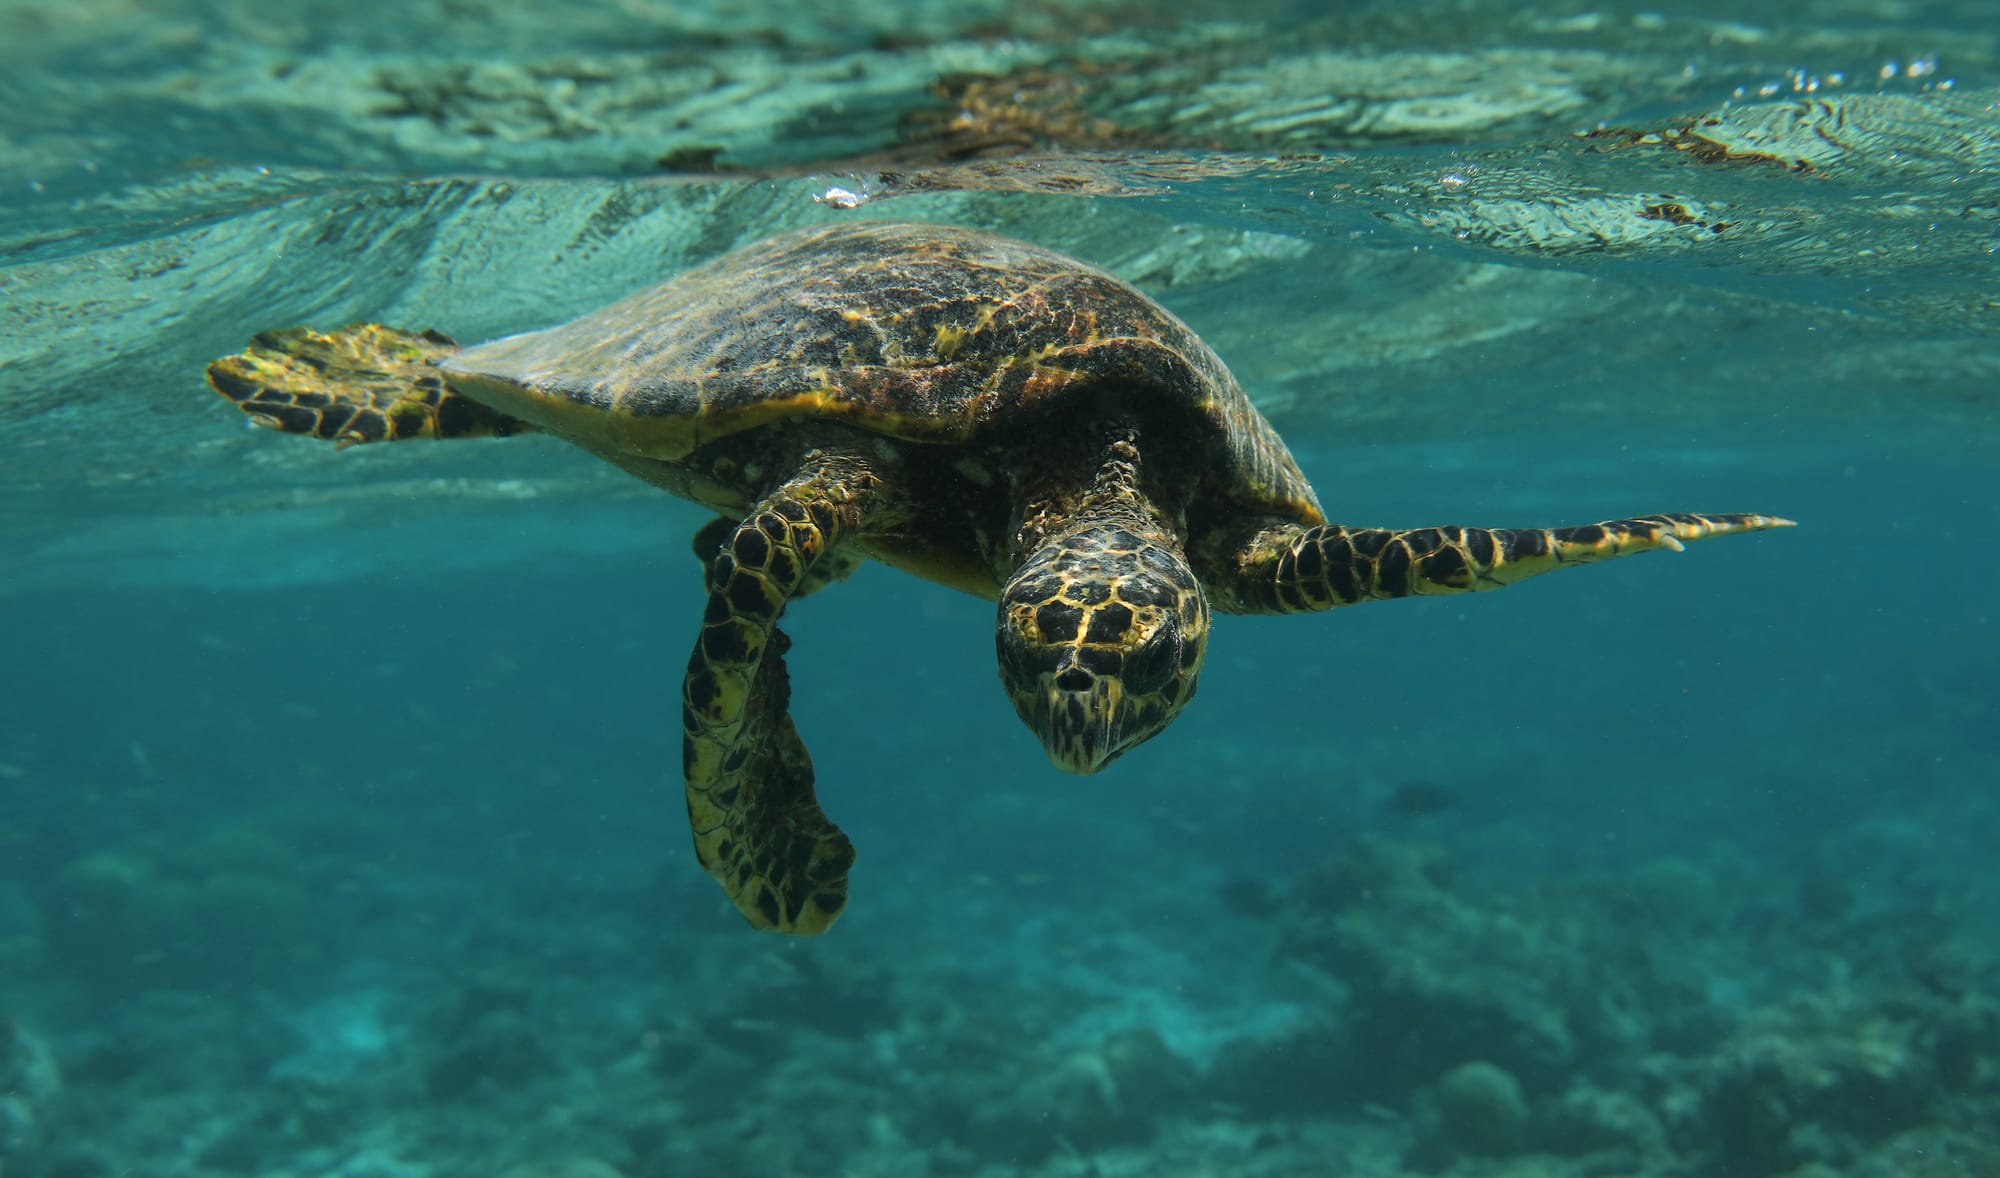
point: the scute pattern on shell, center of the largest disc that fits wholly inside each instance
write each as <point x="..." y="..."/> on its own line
<point x="914" y="331"/>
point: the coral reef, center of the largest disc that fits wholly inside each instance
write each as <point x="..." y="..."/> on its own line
<point x="1440" y="973"/>
<point x="1828" y="1077"/>
<point x="1475" y="1108"/>
<point x="220" y="910"/>
<point x="1533" y="1019"/>
<point x="1418" y="1018"/>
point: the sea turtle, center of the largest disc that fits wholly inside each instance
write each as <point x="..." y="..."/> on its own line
<point x="980" y="412"/>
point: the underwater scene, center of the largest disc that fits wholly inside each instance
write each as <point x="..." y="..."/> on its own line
<point x="346" y="789"/>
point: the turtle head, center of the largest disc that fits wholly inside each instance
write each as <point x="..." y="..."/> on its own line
<point x="1102" y="633"/>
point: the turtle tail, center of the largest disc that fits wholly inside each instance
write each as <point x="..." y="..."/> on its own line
<point x="363" y="383"/>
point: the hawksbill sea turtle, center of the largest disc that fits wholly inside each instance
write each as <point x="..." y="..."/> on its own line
<point x="982" y="413"/>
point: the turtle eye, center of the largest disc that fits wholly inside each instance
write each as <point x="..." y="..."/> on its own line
<point x="1149" y="669"/>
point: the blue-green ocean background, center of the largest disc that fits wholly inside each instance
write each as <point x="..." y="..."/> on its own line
<point x="339" y="824"/>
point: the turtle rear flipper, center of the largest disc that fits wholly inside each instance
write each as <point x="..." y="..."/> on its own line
<point x="363" y="383"/>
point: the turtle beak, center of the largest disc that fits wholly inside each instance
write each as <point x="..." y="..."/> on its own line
<point x="1078" y="728"/>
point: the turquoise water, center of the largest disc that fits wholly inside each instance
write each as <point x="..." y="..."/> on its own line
<point x="341" y="831"/>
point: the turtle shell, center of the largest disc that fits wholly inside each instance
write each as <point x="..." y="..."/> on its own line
<point x="919" y="332"/>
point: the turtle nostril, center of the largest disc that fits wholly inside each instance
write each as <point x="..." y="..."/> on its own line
<point x="1073" y="679"/>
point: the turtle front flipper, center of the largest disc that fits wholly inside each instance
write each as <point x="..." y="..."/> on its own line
<point x="1294" y="569"/>
<point x="758" y="829"/>
<point x="364" y="383"/>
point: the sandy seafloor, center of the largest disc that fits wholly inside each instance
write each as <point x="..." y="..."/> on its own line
<point x="339" y="829"/>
